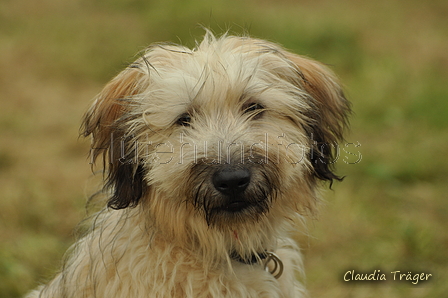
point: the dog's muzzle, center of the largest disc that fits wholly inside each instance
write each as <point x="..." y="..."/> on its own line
<point x="231" y="182"/>
<point x="232" y="193"/>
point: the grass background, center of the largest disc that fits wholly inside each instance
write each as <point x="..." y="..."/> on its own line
<point x="390" y="213"/>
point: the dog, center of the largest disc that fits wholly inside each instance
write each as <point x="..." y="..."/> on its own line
<point x="212" y="157"/>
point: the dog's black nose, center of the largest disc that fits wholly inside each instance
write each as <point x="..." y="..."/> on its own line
<point x="231" y="181"/>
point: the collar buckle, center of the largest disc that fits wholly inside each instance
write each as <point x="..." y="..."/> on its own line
<point x="276" y="269"/>
<point x="270" y="261"/>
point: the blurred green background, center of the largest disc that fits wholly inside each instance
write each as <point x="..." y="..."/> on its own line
<point x="391" y="211"/>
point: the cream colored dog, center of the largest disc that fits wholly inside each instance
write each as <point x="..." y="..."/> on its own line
<point x="212" y="156"/>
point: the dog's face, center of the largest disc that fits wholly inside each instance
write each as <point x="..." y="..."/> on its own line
<point x="235" y="133"/>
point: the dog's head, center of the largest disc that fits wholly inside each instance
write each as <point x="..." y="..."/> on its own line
<point x="236" y="130"/>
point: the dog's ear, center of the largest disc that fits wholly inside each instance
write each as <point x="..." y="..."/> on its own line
<point x="328" y="116"/>
<point x="105" y="121"/>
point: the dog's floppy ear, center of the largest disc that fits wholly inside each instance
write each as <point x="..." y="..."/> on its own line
<point x="328" y="116"/>
<point x="105" y="122"/>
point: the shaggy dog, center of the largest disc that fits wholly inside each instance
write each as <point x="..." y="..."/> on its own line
<point x="212" y="156"/>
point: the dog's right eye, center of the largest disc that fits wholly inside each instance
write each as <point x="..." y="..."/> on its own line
<point x="184" y="120"/>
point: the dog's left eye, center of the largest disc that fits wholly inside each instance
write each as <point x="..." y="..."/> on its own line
<point x="184" y="120"/>
<point x="254" y="107"/>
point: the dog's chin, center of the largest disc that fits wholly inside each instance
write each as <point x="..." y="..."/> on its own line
<point x="236" y="206"/>
<point x="236" y="212"/>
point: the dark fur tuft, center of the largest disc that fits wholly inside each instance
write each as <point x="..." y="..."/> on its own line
<point x="327" y="119"/>
<point x="105" y="123"/>
<point x="129" y="186"/>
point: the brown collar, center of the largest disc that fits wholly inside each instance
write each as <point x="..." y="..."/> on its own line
<point x="252" y="259"/>
<point x="276" y="267"/>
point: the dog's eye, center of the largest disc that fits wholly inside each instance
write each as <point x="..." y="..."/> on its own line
<point x="254" y="107"/>
<point x="184" y="120"/>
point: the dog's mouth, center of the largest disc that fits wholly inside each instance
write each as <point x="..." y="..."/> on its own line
<point x="240" y="206"/>
<point x="237" y="210"/>
<point x="236" y="206"/>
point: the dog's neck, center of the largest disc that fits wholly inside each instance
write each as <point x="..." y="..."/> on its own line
<point x="252" y="259"/>
<point x="270" y="261"/>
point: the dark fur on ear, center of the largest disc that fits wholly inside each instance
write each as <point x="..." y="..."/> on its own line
<point x="328" y="117"/>
<point x="104" y="121"/>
